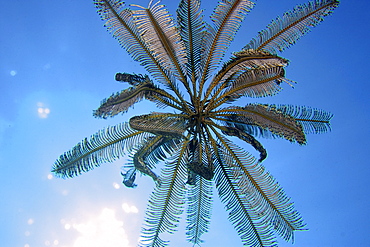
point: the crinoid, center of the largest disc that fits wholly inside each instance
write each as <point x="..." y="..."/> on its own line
<point x="193" y="140"/>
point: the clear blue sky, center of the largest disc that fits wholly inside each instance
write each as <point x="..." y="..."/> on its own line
<point x="57" y="62"/>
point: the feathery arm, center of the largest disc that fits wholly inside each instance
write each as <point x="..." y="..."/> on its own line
<point x="191" y="28"/>
<point x="104" y="146"/>
<point x="227" y="18"/>
<point x="144" y="151"/>
<point x="264" y="118"/>
<point x="241" y="62"/>
<point x="166" y="124"/>
<point x="258" y="82"/>
<point x="268" y="205"/>
<point x="122" y="101"/>
<point x="122" y="23"/>
<point x="284" y="31"/>
<point x="233" y="131"/>
<point x="166" y="203"/>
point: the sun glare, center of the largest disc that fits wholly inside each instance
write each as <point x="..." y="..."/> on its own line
<point x="116" y="186"/>
<point x="129" y="209"/>
<point x="104" y="230"/>
<point x="67" y="226"/>
<point x="42" y="111"/>
<point x="30" y="221"/>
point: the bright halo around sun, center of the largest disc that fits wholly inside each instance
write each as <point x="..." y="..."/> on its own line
<point x="105" y="230"/>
